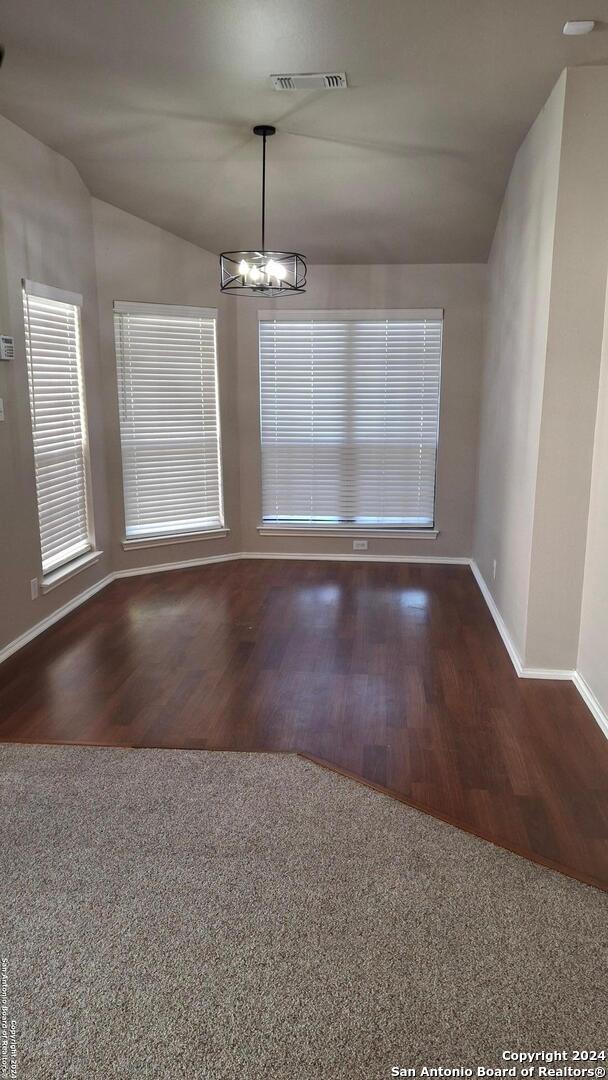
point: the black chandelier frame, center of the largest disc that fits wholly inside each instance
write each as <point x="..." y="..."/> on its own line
<point x="233" y="281"/>
<point x="292" y="263"/>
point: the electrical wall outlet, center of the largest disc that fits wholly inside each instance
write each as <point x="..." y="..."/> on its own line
<point x="494" y="570"/>
<point x="34" y="588"/>
<point x="359" y="545"/>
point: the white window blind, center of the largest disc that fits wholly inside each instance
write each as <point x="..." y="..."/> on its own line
<point x="54" y="364"/>
<point x="349" y="418"/>
<point x="169" y="419"/>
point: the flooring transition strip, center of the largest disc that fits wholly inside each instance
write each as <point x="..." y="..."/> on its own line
<point x="523" y="853"/>
<point x="531" y="856"/>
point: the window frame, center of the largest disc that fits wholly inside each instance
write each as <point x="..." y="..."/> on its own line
<point x="62" y="569"/>
<point x="350" y="529"/>
<point x="125" y="307"/>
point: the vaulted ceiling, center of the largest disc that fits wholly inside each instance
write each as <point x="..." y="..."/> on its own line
<point x="154" y="100"/>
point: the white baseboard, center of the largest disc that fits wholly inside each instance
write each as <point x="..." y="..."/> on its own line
<point x="591" y="701"/>
<point x="160" y="568"/>
<point x="60" y="613"/>
<point x="563" y="674"/>
<point x="498" y="619"/>
<point x="457" y="560"/>
<point x="157" y="568"/>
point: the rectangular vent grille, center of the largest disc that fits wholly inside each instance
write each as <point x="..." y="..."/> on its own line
<point x="335" y="80"/>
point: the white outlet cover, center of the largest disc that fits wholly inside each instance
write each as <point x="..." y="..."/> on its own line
<point x="576" y="27"/>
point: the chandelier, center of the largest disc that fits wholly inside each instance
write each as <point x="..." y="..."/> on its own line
<point x="262" y="272"/>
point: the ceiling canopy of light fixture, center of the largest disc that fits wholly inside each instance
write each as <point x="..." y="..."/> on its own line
<point x="262" y="272"/>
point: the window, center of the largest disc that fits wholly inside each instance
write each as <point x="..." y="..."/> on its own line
<point x="349" y="418"/>
<point x="54" y="365"/>
<point x="169" y="420"/>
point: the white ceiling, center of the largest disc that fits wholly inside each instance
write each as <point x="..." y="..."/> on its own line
<point x="153" y="101"/>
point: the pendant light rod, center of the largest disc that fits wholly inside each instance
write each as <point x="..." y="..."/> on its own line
<point x="265" y="130"/>
<point x="264" y="193"/>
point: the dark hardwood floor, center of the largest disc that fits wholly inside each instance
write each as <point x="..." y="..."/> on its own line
<point x="392" y="672"/>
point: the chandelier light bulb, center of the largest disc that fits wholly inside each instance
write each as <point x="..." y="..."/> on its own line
<point x="254" y="274"/>
<point x="244" y="267"/>
<point x="275" y="270"/>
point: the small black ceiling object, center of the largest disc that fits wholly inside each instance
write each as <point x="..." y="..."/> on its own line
<point x="262" y="272"/>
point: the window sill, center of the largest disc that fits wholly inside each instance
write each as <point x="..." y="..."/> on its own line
<point x="135" y="543"/>
<point x="57" y="577"/>
<point x="371" y="533"/>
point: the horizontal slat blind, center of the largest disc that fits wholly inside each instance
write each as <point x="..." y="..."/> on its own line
<point x="59" y="426"/>
<point x="169" y="422"/>
<point x="349" y="420"/>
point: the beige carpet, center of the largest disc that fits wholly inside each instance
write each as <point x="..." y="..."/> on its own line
<point x="177" y="914"/>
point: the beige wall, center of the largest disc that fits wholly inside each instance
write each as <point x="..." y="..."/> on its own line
<point x="542" y="357"/>
<point x="460" y="290"/>
<point x="514" y="367"/>
<point x="574" y="346"/>
<point x="593" y="645"/>
<point x="46" y="234"/>
<point x="138" y="261"/>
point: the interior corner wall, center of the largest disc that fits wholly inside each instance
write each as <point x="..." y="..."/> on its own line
<point x="140" y="262"/>
<point x="46" y="235"/>
<point x="574" y="349"/>
<point x="542" y="359"/>
<point x="592" y="661"/>
<point x="460" y="290"/>
<point x="516" y="330"/>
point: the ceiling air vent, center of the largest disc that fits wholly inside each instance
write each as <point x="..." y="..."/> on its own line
<point x="335" y="80"/>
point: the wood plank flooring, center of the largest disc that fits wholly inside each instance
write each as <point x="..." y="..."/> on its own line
<point x="392" y="672"/>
